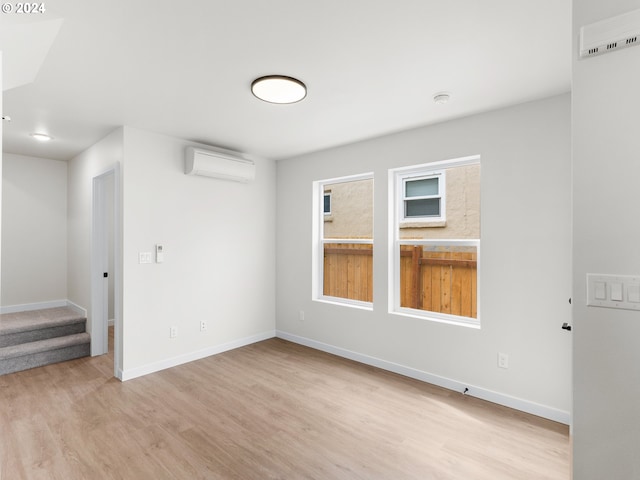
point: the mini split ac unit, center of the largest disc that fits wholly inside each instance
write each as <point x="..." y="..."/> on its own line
<point x="211" y="163"/>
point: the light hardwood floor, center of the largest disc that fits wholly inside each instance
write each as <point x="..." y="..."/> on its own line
<point x="272" y="410"/>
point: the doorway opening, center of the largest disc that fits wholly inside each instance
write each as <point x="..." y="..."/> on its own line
<point x="106" y="262"/>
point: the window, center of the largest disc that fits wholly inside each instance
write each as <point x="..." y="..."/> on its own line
<point x="435" y="270"/>
<point x="343" y="245"/>
<point x="424" y="197"/>
<point x="327" y="203"/>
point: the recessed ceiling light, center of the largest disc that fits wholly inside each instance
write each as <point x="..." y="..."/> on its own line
<point x="441" y="98"/>
<point x="279" y="89"/>
<point x="41" y="137"/>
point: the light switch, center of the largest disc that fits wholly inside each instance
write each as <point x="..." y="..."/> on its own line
<point x="616" y="291"/>
<point x="633" y="293"/>
<point x="144" y="257"/>
<point x="613" y="291"/>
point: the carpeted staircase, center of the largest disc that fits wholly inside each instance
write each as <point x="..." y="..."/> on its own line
<point x="40" y="337"/>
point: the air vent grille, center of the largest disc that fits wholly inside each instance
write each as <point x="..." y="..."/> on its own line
<point x="610" y="34"/>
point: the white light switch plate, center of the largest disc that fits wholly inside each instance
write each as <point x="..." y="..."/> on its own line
<point x="144" y="257"/>
<point x="613" y="291"/>
<point x="633" y="293"/>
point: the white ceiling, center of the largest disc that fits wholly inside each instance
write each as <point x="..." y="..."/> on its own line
<point x="185" y="68"/>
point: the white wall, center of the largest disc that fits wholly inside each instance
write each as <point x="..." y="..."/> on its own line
<point x="526" y="258"/>
<point x="1" y="127"/>
<point x="34" y="233"/>
<point x="606" y="232"/>
<point x="82" y="169"/>
<point x="219" y="241"/>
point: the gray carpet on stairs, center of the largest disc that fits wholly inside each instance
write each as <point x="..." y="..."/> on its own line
<point x="40" y="337"/>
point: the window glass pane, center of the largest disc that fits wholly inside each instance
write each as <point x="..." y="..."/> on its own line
<point x="345" y="256"/>
<point x="460" y="190"/>
<point x="348" y="271"/>
<point x="351" y="210"/>
<point x="422" y="188"/>
<point x="428" y="207"/>
<point x="438" y="242"/>
<point x="439" y="279"/>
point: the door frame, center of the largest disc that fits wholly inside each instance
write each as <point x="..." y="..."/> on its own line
<point x="99" y="265"/>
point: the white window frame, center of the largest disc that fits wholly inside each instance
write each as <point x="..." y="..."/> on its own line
<point x="396" y="219"/>
<point x="442" y="196"/>
<point x="317" y="256"/>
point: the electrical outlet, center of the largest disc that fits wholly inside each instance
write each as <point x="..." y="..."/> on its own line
<point x="503" y="360"/>
<point x="173" y="332"/>
<point x="203" y="326"/>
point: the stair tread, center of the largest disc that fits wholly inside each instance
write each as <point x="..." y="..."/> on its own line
<point x="11" y="323"/>
<point x="44" y="345"/>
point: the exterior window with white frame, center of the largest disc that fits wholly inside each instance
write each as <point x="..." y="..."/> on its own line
<point x="343" y="246"/>
<point x="327" y="203"/>
<point x="424" y="197"/>
<point x="435" y="240"/>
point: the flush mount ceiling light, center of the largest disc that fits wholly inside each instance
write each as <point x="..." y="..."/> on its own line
<point x="441" y="98"/>
<point x="41" y="137"/>
<point x="279" y="89"/>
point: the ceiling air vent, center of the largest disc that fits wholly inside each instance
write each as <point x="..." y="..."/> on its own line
<point x="611" y="34"/>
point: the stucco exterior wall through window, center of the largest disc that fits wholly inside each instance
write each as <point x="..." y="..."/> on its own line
<point x="351" y="210"/>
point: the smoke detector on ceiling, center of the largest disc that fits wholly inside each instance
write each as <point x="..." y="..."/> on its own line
<point x="610" y="34"/>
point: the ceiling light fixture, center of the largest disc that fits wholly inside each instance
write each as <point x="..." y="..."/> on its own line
<point x="441" y="98"/>
<point x="41" y="137"/>
<point x="278" y="89"/>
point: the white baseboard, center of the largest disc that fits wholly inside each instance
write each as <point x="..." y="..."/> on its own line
<point x="77" y="308"/>
<point x="132" y="373"/>
<point x="533" y="408"/>
<point x="27" y="307"/>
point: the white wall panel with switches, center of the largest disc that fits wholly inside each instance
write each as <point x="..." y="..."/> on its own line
<point x="613" y="291"/>
<point x="144" y="257"/>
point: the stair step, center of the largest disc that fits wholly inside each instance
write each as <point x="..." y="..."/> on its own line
<point x="31" y="326"/>
<point x="39" y="337"/>
<point x="15" y="358"/>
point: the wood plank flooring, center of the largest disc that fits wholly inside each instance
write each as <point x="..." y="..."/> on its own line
<point x="272" y="410"/>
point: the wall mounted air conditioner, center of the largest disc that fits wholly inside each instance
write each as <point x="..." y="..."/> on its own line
<point x="211" y="163"/>
<point x="610" y="34"/>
